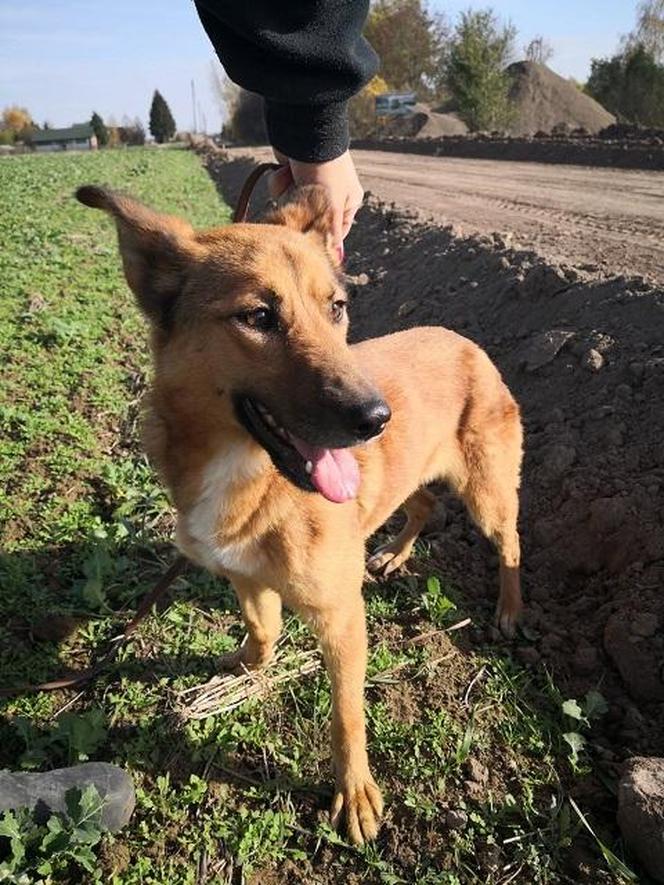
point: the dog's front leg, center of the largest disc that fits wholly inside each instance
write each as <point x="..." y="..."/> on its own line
<point x="261" y="612"/>
<point x="343" y="637"/>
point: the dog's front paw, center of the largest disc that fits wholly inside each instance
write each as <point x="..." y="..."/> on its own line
<point x="359" y="801"/>
<point x="245" y="658"/>
<point x="388" y="559"/>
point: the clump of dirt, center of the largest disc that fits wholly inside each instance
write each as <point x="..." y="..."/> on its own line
<point x="545" y="101"/>
<point x="585" y="359"/>
<point x="425" y="123"/>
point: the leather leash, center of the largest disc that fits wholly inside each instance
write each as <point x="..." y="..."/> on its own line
<point x="242" y="206"/>
<point x="179" y="565"/>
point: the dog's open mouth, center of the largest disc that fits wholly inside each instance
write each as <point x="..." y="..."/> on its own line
<point x="332" y="472"/>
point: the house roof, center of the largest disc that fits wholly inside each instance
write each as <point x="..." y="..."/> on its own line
<point x="78" y="132"/>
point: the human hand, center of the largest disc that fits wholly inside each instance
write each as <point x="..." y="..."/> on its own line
<point x="340" y="178"/>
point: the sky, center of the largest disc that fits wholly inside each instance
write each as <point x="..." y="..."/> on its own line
<point x="62" y="59"/>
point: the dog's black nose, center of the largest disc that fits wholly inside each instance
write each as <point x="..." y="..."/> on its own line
<point x="369" y="418"/>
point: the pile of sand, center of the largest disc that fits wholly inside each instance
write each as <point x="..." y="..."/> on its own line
<point x="545" y="101"/>
<point x="425" y="123"/>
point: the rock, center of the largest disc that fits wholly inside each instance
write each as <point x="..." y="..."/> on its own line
<point x="645" y="624"/>
<point x="641" y="812"/>
<point x="362" y="279"/>
<point x="636" y="662"/>
<point x="406" y="308"/>
<point x="592" y="360"/>
<point x="544" y="348"/>
<point x="45" y="792"/>
<point x="456" y="819"/>
<point x="476" y="771"/>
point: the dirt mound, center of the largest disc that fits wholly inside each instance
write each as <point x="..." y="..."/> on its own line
<point x="425" y="123"/>
<point x="545" y="101"/>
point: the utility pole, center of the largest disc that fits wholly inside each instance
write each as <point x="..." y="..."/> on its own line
<point x="193" y="104"/>
<point x="202" y="119"/>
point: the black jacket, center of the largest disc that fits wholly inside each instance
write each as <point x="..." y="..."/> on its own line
<point x="305" y="57"/>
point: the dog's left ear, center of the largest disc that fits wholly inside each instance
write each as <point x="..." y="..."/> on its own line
<point x="309" y="211"/>
<point x="156" y="250"/>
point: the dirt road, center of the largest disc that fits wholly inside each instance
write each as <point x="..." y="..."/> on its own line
<point x="612" y="219"/>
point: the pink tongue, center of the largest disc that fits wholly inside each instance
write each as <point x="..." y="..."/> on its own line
<point x="335" y="472"/>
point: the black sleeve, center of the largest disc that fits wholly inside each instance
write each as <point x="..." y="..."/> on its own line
<point x="305" y="57"/>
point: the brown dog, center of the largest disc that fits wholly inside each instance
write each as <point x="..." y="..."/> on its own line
<point x="259" y="421"/>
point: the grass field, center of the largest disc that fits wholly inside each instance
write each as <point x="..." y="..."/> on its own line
<point x="477" y="756"/>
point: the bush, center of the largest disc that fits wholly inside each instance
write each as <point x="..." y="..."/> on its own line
<point x="476" y="76"/>
<point x="630" y="85"/>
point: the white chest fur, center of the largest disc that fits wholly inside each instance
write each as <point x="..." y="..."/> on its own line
<point x="199" y="535"/>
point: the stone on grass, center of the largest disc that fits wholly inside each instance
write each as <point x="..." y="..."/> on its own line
<point x="44" y="792"/>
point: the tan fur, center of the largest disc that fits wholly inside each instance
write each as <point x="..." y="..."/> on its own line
<point x="453" y="418"/>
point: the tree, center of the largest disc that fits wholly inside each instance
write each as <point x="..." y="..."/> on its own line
<point x="16" y="124"/>
<point x="539" y="50"/>
<point x="630" y="85"/>
<point x="649" y="31"/>
<point x="162" y="124"/>
<point x="480" y="50"/>
<point x="16" y="119"/>
<point x="100" y="129"/>
<point x="411" y="44"/>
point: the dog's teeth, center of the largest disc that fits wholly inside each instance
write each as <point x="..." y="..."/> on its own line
<point x="308" y="466"/>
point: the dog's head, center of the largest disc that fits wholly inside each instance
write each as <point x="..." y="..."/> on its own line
<point x="249" y="330"/>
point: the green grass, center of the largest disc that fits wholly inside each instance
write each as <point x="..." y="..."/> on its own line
<point x="240" y="796"/>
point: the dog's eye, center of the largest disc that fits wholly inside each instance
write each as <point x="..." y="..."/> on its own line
<point x="261" y="318"/>
<point x="338" y="311"/>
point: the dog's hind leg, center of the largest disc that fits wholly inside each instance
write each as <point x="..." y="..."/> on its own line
<point x="261" y="612"/>
<point x="389" y="557"/>
<point x="491" y="493"/>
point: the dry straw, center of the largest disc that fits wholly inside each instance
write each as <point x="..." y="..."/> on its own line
<point x="221" y="694"/>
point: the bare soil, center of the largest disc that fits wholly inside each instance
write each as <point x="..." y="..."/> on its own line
<point x="603" y="221"/>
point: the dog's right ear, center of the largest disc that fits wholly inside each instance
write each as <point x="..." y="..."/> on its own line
<point x="156" y="249"/>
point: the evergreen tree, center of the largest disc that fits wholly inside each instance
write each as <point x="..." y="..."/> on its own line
<point x="100" y="129"/>
<point x="162" y="124"/>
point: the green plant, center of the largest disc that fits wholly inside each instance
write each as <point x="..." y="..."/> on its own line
<point x="34" y="853"/>
<point x="630" y="85"/>
<point x="437" y="604"/>
<point x="75" y="737"/>
<point x="592" y="707"/>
